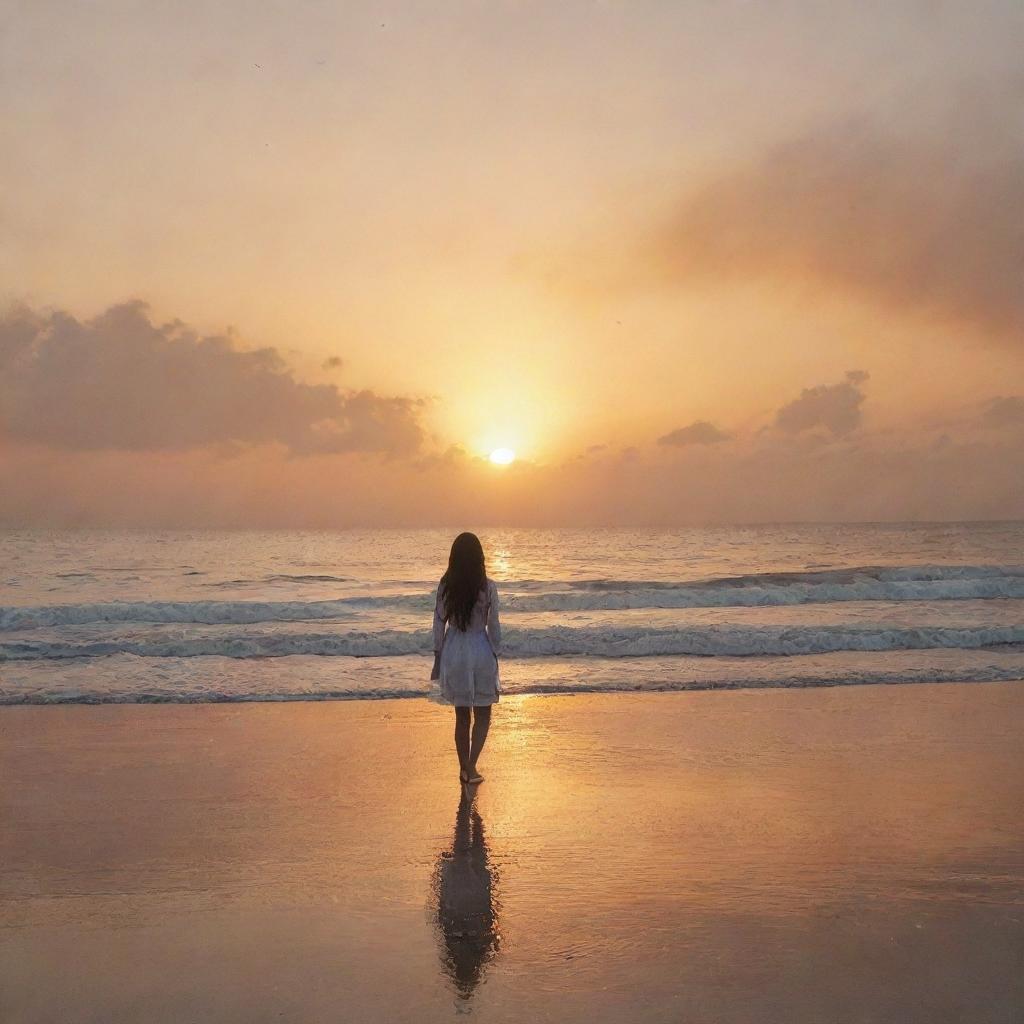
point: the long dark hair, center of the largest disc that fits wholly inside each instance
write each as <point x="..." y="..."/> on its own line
<point x="465" y="578"/>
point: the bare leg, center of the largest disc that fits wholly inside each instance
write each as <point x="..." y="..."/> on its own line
<point x="481" y="723"/>
<point x="462" y="716"/>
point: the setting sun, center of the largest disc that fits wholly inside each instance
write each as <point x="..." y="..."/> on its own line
<point x="502" y="456"/>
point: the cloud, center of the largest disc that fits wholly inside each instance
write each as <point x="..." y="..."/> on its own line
<point x="119" y="381"/>
<point x="928" y="225"/>
<point x="453" y="455"/>
<point x="834" y="406"/>
<point x="591" y="452"/>
<point x="897" y="475"/>
<point x="1003" y="411"/>
<point x="698" y="432"/>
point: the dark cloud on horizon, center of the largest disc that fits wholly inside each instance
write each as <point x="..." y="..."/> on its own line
<point x="453" y="455"/>
<point x="1003" y="411"/>
<point x="834" y="407"/>
<point x="932" y="225"/>
<point x="901" y="476"/>
<point x="698" y="432"/>
<point x="119" y="381"/>
<point x="837" y="407"/>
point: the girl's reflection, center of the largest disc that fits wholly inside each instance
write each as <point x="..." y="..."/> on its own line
<point x="464" y="887"/>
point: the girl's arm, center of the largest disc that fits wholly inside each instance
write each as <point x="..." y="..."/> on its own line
<point x="438" y="622"/>
<point x="493" y="622"/>
<point x="435" y="672"/>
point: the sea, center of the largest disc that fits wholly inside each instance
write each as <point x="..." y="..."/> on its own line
<point x="202" y="616"/>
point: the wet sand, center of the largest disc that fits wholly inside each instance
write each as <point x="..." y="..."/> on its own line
<point x="852" y="854"/>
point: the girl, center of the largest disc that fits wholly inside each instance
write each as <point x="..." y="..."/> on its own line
<point x="465" y="653"/>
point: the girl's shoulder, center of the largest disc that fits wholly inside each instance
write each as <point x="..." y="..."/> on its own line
<point x="491" y="586"/>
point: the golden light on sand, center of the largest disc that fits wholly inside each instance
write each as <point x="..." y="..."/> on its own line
<point x="502" y="456"/>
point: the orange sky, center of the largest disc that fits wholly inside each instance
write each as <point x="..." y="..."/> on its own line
<point x="643" y="244"/>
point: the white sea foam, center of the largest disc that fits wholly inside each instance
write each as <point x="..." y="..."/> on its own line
<point x="127" y="679"/>
<point x="204" y="612"/>
<point x="608" y="641"/>
<point x="869" y="583"/>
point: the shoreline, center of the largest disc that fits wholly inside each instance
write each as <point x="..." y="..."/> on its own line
<point x="119" y="678"/>
<point x="537" y="690"/>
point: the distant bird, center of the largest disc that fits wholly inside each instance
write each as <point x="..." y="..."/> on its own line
<point x="257" y="66"/>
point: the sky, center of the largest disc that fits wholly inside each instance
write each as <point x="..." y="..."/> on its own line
<point x="306" y="264"/>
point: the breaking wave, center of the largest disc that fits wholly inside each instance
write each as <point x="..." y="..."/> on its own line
<point x="556" y="641"/>
<point x="868" y="583"/>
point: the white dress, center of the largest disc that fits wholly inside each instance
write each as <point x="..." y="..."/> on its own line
<point x="469" y="658"/>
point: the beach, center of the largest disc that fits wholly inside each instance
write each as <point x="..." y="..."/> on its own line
<point x="839" y="854"/>
<point x="641" y="382"/>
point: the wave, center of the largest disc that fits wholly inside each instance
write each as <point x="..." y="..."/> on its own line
<point x="208" y="613"/>
<point x="223" y="687"/>
<point x="556" y="641"/>
<point x="279" y="578"/>
<point x="811" y="575"/>
<point x="774" y="590"/>
<point x="866" y="583"/>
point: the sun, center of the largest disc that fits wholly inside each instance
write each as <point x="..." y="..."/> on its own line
<point x="502" y="456"/>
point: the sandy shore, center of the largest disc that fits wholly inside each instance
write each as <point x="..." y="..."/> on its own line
<point x="835" y="855"/>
